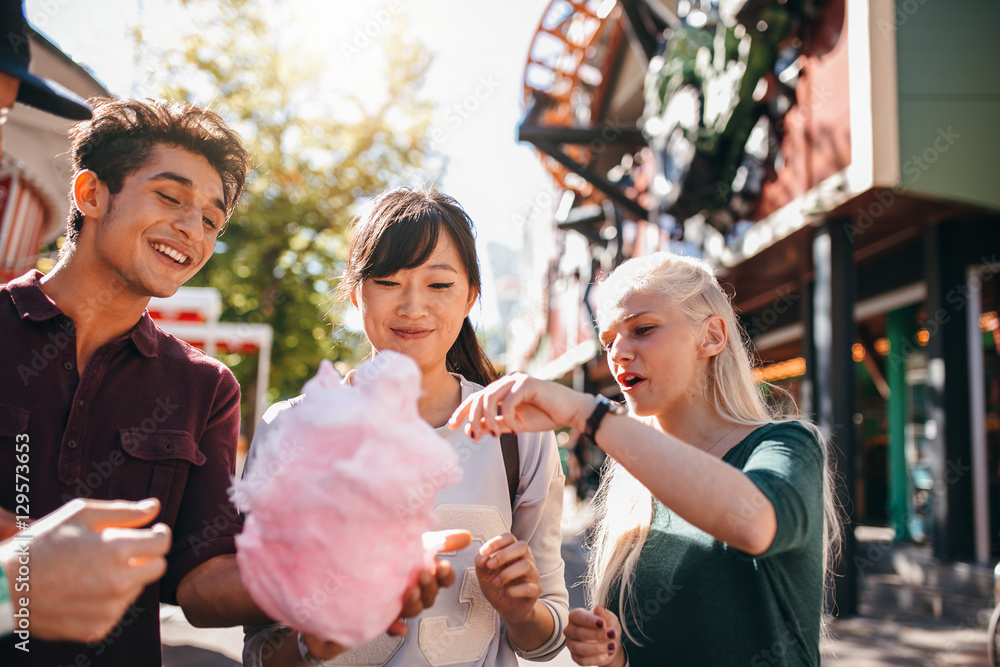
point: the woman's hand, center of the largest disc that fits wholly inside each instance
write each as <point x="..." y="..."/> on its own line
<point x="422" y="594"/>
<point x="594" y="638"/>
<point x="509" y="577"/>
<point x="520" y="403"/>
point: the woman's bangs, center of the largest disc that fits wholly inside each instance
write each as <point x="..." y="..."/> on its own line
<point x="405" y="243"/>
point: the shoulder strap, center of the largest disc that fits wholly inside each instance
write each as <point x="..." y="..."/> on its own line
<point x="511" y="463"/>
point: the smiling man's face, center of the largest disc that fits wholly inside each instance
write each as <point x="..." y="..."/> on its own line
<point x="161" y="227"/>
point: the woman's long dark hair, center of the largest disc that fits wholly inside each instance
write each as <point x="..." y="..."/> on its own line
<point x="400" y="232"/>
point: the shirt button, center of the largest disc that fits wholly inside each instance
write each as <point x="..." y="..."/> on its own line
<point x="68" y="365"/>
<point x="71" y="444"/>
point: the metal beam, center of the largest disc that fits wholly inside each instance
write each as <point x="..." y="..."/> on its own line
<point x="607" y="134"/>
<point x="639" y="28"/>
<point x="600" y="182"/>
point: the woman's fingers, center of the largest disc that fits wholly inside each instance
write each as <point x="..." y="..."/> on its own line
<point x="480" y="411"/>
<point x="592" y="638"/>
<point x="397" y="628"/>
<point x="585" y="626"/>
<point x="445" y="573"/>
<point x="527" y="589"/>
<point x="512" y="572"/>
<point x="502" y="550"/>
<point x="585" y="653"/>
<point x="610" y="620"/>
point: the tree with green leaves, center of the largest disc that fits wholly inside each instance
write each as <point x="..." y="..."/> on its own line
<point x="317" y="156"/>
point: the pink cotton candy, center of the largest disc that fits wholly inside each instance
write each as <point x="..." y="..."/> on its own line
<point x="339" y="497"/>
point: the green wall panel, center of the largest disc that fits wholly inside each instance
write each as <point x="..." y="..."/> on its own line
<point x="949" y="98"/>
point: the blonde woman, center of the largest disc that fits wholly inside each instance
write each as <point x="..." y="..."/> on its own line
<point x="715" y="517"/>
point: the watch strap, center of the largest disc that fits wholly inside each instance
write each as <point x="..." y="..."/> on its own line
<point x="602" y="406"/>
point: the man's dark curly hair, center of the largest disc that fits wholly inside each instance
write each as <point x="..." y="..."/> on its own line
<point x="118" y="140"/>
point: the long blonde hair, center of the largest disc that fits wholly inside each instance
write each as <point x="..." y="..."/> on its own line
<point x="623" y="506"/>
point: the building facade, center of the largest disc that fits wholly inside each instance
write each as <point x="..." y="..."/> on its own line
<point x="834" y="160"/>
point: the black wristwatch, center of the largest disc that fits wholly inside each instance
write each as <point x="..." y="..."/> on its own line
<point x="602" y="407"/>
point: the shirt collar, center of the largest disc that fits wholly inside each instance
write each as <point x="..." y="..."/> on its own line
<point x="33" y="304"/>
<point x="29" y="299"/>
<point x="144" y="335"/>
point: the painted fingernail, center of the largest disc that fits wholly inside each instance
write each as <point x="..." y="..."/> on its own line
<point x="611" y="634"/>
<point x="600" y="623"/>
<point x="611" y="647"/>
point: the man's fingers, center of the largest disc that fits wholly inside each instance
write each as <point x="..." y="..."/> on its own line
<point x="8" y="524"/>
<point x="146" y="572"/>
<point x="139" y="543"/>
<point x="100" y="514"/>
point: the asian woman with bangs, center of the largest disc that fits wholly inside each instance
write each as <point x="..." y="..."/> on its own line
<point x="413" y="274"/>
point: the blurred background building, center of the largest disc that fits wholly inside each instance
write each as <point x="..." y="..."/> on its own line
<point x="34" y="169"/>
<point x="835" y="160"/>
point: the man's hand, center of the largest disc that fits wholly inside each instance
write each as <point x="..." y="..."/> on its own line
<point x="88" y="562"/>
<point x="422" y="594"/>
<point x="8" y="524"/>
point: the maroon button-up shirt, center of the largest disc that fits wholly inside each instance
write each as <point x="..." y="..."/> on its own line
<point x="150" y="416"/>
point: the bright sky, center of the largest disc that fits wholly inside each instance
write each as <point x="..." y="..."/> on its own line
<point x="475" y="81"/>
